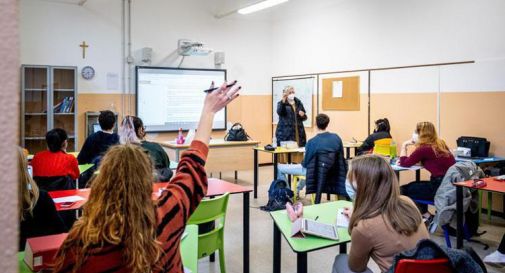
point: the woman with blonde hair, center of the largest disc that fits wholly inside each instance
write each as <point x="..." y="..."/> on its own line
<point x="37" y="212"/>
<point x="434" y="155"/>
<point x="292" y="114"/>
<point x="122" y="229"/>
<point x="382" y="222"/>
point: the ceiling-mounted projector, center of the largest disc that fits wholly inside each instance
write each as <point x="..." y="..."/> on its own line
<point x="187" y="47"/>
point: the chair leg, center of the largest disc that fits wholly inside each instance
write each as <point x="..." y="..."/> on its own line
<point x="295" y="185"/>
<point x="447" y="237"/>
<point x="489" y="205"/>
<point x="222" y="264"/>
<point x="328" y="197"/>
<point x="479" y="205"/>
<point x="313" y="198"/>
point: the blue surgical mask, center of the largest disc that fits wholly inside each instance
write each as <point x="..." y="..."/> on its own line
<point x="350" y="189"/>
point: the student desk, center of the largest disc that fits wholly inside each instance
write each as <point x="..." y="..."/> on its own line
<point x="492" y="186"/>
<point x="216" y="187"/>
<point x="189" y="251"/>
<point x="416" y="168"/>
<point x="275" y="155"/>
<point x="348" y="145"/>
<point x="223" y="155"/>
<point x="327" y="213"/>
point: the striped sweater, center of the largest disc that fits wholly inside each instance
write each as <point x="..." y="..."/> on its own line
<point x="175" y="205"/>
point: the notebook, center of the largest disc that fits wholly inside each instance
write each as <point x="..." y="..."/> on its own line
<point x="302" y="227"/>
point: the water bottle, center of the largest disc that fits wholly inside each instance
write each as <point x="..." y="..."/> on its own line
<point x="180" y="137"/>
<point x="274" y="142"/>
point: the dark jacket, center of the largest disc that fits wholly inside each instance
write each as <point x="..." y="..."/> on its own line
<point x="326" y="173"/>
<point x="96" y="145"/>
<point x="43" y="221"/>
<point x="160" y="160"/>
<point x="369" y="142"/>
<point x="286" y="126"/>
<point x="461" y="261"/>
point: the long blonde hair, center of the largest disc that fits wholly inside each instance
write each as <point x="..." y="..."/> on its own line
<point x="378" y="193"/>
<point x="428" y="136"/>
<point x="28" y="193"/>
<point x="120" y="211"/>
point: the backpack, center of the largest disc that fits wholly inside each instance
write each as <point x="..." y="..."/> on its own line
<point x="236" y="133"/>
<point x="279" y="194"/>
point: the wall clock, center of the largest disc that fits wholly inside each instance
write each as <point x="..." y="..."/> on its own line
<point x="88" y="72"/>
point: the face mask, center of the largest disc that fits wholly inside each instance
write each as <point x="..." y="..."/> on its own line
<point x="350" y="189"/>
<point x="291" y="96"/>
<point x="415" y="137"/>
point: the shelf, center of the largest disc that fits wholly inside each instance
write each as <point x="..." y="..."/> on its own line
<point x="65" y="114"/>
<point x="64" y="90"/>
<point x="35" y="89"/>
<point x="35" y="138"/>
<point x="36" y="114"/>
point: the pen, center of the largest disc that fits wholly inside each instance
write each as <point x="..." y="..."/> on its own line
<point x="317" y="217"/>
<point x="216" y="88"/>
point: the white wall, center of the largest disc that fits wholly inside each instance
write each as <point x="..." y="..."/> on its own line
<point x="332" y="35"/>
<point x="51" y="34"/>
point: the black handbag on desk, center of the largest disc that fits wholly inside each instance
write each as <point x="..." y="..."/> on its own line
<point x="479" y="146"/>
<point x="236" y="133"/>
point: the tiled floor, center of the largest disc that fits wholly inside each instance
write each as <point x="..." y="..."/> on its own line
<point x="319" y="261"/>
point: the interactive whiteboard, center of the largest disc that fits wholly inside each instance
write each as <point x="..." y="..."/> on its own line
<point x="172" y="98"/>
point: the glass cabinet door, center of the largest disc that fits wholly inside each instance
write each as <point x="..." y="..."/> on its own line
<point x="63" y="83"/>
<point x="35" y="92"/>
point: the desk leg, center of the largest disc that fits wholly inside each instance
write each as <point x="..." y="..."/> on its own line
<point x="418" y="175"/>
<point x="276" y="159"/>
<point x="459" y="217"/>
<point x="301" y="262"/>
<point x="277" y="249"/>
<point x="255" y="173"/>
<point x="236" y="175"/>
<point x="177" y="157"/>
<point x="343" y="248"/>
<point x="289" y="176"/>
<point x="246" y="232"/>
<point x="397" y="175"/>
<point x="347" y="153"/>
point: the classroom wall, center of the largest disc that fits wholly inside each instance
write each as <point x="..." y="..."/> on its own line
<point x="157" y="24"/>
<point x="9" y="99"/>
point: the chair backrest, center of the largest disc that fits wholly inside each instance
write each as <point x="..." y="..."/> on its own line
<point x="383" y="147"/>
<point x="55" y="183"/>
<point x="210" y="210"/>
<point x="423" y="266"/>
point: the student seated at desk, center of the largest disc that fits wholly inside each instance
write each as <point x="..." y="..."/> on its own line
<point x="381" y="131"/>
<point x="37" y="213"/>
<point x="97" y="143"/>
<point x="132" y="131"/>
<point x="55" y="162"/>
<point x="382" y="223"/>
<point x="434" y="155"/>
<point x="324" y="141"/>
<point x="122" y="229"/>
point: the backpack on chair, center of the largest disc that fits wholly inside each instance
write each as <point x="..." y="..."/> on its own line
<point x="278" y="195"/>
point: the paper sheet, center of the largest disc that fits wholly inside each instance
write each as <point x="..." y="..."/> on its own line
<point x="342" y="220"/>
<point x="112" y="81"/>
<point x="337" y="89"/>
<point x="73" y="198"/>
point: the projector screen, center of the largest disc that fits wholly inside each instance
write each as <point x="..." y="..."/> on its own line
<point x="172" y="98"/>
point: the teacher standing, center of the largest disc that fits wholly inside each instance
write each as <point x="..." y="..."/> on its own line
<point x="291" y="117"/>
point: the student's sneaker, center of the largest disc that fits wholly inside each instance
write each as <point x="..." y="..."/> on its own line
<point x="495" y="258"/>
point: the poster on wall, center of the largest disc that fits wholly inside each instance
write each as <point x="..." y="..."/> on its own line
<point x="304" y="91"/>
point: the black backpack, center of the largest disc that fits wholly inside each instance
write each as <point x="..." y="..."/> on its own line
<point x="236" y="133"/>
<point x="479" y="146"/>
<point x="278" y="195"/>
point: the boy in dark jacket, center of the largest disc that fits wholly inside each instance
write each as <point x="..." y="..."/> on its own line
<point x="324" y="141"/>
<point x="98" y="143"/>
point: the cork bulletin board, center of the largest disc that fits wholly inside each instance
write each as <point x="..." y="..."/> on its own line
<point x="341" y="94"/>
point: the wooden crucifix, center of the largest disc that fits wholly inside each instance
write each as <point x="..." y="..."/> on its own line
<point x="83" y="46"/>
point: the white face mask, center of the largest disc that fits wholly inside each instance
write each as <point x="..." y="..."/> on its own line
<point x="350" y="189"/>
<point x="415" y="137"/>
<point x="291" y="96"/>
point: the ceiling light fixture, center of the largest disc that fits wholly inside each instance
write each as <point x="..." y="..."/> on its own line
<point x="260" y="6"/>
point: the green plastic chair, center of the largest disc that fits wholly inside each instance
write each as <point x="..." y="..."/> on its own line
<point x="211" y="210"/>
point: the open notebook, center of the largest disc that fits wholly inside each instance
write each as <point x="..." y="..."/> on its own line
<point x="302" y="227"/>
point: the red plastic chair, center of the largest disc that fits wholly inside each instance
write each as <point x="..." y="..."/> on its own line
<point x="424" y="266"/>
